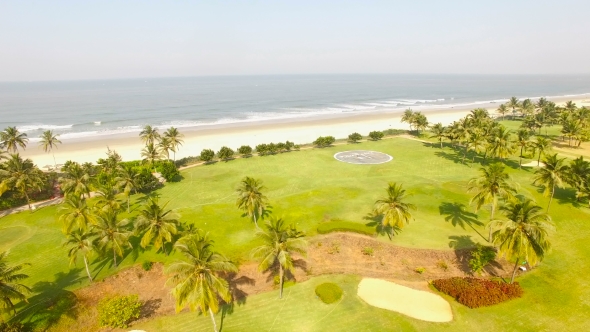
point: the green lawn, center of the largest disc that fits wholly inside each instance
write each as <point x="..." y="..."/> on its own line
<point x="310" y="187"/>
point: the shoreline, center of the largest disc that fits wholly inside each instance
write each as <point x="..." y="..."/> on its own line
<point x="300" y="131"/>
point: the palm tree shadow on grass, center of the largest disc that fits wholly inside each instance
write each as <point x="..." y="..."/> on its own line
<point x="51" y="302"/>
<point x="377" y="222"/>
<point x="462" y="245"/>
<point x="239" y="296"/>
<point x="457" y="215"/>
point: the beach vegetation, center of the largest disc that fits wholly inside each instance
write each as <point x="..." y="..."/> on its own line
<point x="251" y="200"/>
<point x="151" y="154"/>
<point x="21" y="175"/>
<point x="149" y="135"/>
<point x="393" y="212"/>
<point x="11" y="139"/>
<point x="49" y="142"/>
<point x="439" y="132"/>
<point x="186" y="161"/>
<point x="245" y="150"/>
<point x="118" y="311"/>
<point x="11" y="287"/>
<point x="281" y="243"/>
<point x="355" y="137"/>
<point x="225" y="153"/>
<point x="175" y="140"/>
<point x="376" y="135"/>
<point x="324" y="141"/>
<point x="207" y="155"/>
<point x="197" y="281"/>
<point x="328" y="292"/>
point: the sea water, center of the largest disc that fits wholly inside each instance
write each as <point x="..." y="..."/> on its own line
<point x="105" y="107"/>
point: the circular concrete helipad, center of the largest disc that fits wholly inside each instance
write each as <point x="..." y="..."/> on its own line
<point x="363" y="157"/>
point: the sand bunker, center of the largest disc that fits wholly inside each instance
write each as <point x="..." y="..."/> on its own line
<point x="410" y="302"/>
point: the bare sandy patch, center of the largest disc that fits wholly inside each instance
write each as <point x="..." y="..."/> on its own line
<point x="410" y="302"/>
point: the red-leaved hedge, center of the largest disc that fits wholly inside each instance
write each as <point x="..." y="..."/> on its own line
<point x="475" y="293"/>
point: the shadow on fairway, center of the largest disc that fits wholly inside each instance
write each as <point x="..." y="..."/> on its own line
<point x="456" y="214"/>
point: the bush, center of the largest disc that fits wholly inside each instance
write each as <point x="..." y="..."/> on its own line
<point x="328" y="292"/>
<point x="324" y="141"/>
<point x="475" y="293"/>
<point x="262" y="149"/>
<point x="225" y="153"/>
<point x="368" y="251"/>
<point x="393" y="132"/>
<point x="376" y="135"/>
<point x="168" y="170"/>
<point x="147" y="265"/>
<point x="420" y="270"/>
<point x="245" y="150"/>
<point x="480" y="257"/>
<point x="12" y="327"/>
<point x="272" y="148"/>
<point x="289" y="145"/>
<point x="355" y="137"/>
<point x="118" y="311"/>
<point x="145" y="180"/>
<point x="345" y="226"/>
<point x="207" y="155"/>
<point x="187" y="161"/>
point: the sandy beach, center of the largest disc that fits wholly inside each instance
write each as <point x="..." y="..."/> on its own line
<point x="300" y="131"/>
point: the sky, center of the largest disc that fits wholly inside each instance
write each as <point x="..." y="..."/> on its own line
<point x="72" y="40"/>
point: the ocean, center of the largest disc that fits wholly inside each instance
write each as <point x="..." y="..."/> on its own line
<point x="106" y="107"/>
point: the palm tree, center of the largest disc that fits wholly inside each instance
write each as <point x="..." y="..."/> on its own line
<point x="149" y="135"/>
<point x="476" y="142"/>
<point x="524" y="234"/>
<point x="420" y="122"/>
<point x="158" y="223"/>
<point x="502" y="110"/>
<point x="74" y="212"/>
<point x="21" y="175"/>
<point x="280" y="243"/>
<point x="11" y="139"/>
<point x="175" y="139"/>
<point x="523" y="141"/>
<point x="542" y="145"/>
<point x="127" y="180"/>
<point x="197" y="282"/>
<point x="10" y="288"/>
<point x="438" y="132"/>
<point x="492" y="185"/>
<point x="48" y="142"/>
<point x="394" y="212"/>
<point x="527" y="108"/>
<point x="551" y="176"/>
<point x="112" y="234"/>
<point x="151" y="154"/>
<point x="578" y="175"/>
<point x="80" y="242"/>
<point x="106" y="197"/>
<point x="408" y="117"/>
<point x="514" y="104"/>
<point x="76" y="180"/>
<point x="251" y="199"/>
<point x="501" y="144"/>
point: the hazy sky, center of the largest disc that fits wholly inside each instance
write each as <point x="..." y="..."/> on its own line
<point x="53" y="40"/>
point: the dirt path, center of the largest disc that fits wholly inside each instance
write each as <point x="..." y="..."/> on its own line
<point x="338" y="253"/>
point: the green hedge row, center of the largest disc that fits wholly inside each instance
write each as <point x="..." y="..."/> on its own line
<point x="345" y="226"/>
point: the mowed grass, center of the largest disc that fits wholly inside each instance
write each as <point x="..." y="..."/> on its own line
<point x="310" y="187"/>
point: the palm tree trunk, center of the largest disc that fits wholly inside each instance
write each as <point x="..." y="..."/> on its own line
<point x="551" y="198"/>
<point x="520" y="159"/>
<point x="127" y="203"/>
<point x="28" y="200"/>
<point x="464" y="154"/>
<point x="539" y="159"/>
<point x="492" y="208"/>
<point x="281" y="278"/>
<point x="87" y="269"/>
<point x="114" y="257"/>
<point x="441" y="143"/>
<point x="213" y="320"/>
<point x="255" y="221"/>
<point x="54" y="162"/>
<point x="515" y="268"/>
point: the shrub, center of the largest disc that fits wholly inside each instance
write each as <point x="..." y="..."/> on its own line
<point x="368" y="251"/>
<point x="225" y="153"/>
<point x="281" y="147"/>
<point x="262" y="149"/>
<point x="272" y="148"/>
<point x="118" y="311"/>
<point x="187" y="161"/>
<point x="324" y="141"/>
<point x="328" y="292"/>
<point x="355" y="137"/>
<point x="147" y="265"/>
<point x="393" y="132"/>
<point x="376" y="135"/>
<point x="146" y="181"/>
<point x="296" y="147"/>
<point x="420" y="270"/>
<point x="245" y="150"/>
<point x="442" y="265"/>
<point x="480" y="257"/>
<point x="334" y="248"/>
<point x="289" y="145"/>
<point x="345" y="226"/>
<point x="207" y="155"/>
<point x="12" y="327"/>
<point x="475" y="293"/>
<point x="168" y="170"/>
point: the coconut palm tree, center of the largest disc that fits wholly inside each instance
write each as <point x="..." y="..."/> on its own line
<point x="408" y="117"/>
<point x="542" y="145"/>
<point x="75" y="214"/>
<point x="438" y="132"/>
<point x="513" y="103"/>
<point x="502" y="110"/>
<point x="524" y="234"/>
<point x="251" y="199"/>
<point x="175" y="139"/>
<point x="112" y="234"/>
<point x="106" y="197"/>
<point x="11" y="139"/>
<point x="280" y="243"/>
<point x="420" y="122"/>
<point x="197" y="280"/>
<point x="10" y="287"/>
<point x="551" y="175"/>
<point x="501" y="143"/>
<point x="523" y="142"/>
<point x="394" y="212"/>
<point x="48" y="142"/>
<point x="127" y="180"/>
<point x="165" y="146"/>
<point x="76" y="180"/>
<point x="158" y="225"/>
<point x="492" y="185"/>
<point x="21" y="175"/>
<point x="149" y="135"/>
<point x="81" y="242"/>
<point x="527" y="108"/>
<point x="477" y="143"/>
<point x="151" y="154"/>
<point x="578" y="175"/>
